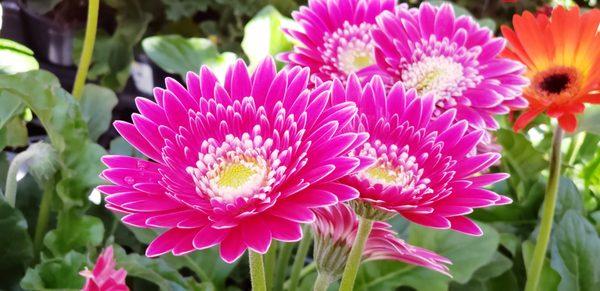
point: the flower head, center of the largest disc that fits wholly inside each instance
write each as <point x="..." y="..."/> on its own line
<point x="423" y="168"/>
<point x="561" y="54"/>
<point x="235" y="164"/>
<point x="335" y="231"/>
<point x="455" y="59"/>
<point x="334" y="38"/>
<point x="104" y="277"/>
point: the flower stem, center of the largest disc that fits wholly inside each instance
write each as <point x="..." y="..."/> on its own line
<point x="11" y="177"/>
<point x="299" y="259"/>
<point x="43" y="215"/>
<point x="541" y="246"/>
<point x="199" y="271"/>
<point x="354" y="259"/>
<point x="283" y="259"/>
<point x="88" y="48"/>
<point x="257" y="271"/>
<point x="322" y="283"/>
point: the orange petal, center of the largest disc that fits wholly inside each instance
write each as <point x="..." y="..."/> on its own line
<point x="568" y="122"/>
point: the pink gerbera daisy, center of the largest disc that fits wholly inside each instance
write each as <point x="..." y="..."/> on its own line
<point x="235" y="164"/>
<point x="334" y="38"/>
<point x="104" y="277"/>
<point x="455" y="59"/>
<point x="423" y="170"/>
<point x="335" y="231"/>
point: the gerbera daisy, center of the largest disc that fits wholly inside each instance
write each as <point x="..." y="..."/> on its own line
<point x="335" y="231"/>
<point x="423" y="168"/>
<point x="104" y="277"/>
<point x="334" y="37"/>
<point x="562" y="58"/>
<point x="455" y="59"/>
<point x="235" y="164"/>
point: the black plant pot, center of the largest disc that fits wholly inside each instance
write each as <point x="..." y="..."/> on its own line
<point x="51" y="41"/>
<point x="12" y="24"/>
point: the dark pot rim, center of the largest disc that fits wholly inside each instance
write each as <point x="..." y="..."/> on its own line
<point x="47" y="21"/>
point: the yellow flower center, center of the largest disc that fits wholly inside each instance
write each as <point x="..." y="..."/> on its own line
<point x="235" y="175"/>
<point x="386" y="175"/>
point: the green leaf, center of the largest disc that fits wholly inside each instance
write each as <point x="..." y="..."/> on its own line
<point x="575" y="247"/>
<point x="487" y="22"/>
<point x="549" y="278"/>
<point x="16" y="132"/>
<point x="589" y="121"/>
<point x="119" y="146"/>
<point x="15" y="58"/>
<point x="520" y="155"/>
<point x="591" y="174"/>
<point x="60" y="273"/>
<point x="79" y="156"/>
<point x="155" y="271"/>
<point x="263" y="35"/>
<point x="468" y="254"/>
<point x="97" y="104"/>
<point x="179" y="55"/>
<point x="16" y="251"/>
<point x="74" y="232"/>
<point x="209" y="261"/>
<point x="11" y="107"/>
<point x="113" y="55"/>
<point x="494" y="268"/>
<point x="568" y="199"/>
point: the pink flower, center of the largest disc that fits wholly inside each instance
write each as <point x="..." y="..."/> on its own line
<point x="235" y="164"/>
<point x="455" y="59"/>
<point x="104" y="277"/>
<point x="334" y="37"/>
<point x="424" y="169"/>
<point x="335" y="231"/>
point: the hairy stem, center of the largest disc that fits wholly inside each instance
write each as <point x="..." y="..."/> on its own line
<point x="354" y="259"/>
<point x="322" y="283"/>
<point x="11" y="177"/>
<point x="257" y="271"/>
<point x="299" y="258"/>
<point x="43" y="215"/>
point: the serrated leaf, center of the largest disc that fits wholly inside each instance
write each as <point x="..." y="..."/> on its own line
<point x="16" y="251"/>
<point x="74" y="232"/>
<point x="96" y="105"/>
<point x="519" y="154"/>
<point x="61" y="273"/>
<point x="575" y="247"/>
<point x="79" y="156"/>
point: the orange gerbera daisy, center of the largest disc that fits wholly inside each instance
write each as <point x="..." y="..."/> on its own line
<point x="562" y="55"/>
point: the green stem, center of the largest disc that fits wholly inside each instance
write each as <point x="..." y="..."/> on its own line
<point x="283" y="259"/>
<point x="300" y="258"/>
<point x="257" y="271"/>
<point x="574" y="147"/>
<point x="88" y="48"/>
<point x="43" y="215"/>
<point x="322" y="283"/>
<point x="11" y="177"/>
<point x="308" y="269"/>
<point x="539" y="253"/>
<point x="270" y="259"/>
<point x="355" y="256"/>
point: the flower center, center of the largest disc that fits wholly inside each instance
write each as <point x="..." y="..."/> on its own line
<point x="556" y="83"/>
<point x="438" y="75"/>
<point x="350" y="48"/>
<point x="386" y="175"/>
<point x="394" y="166"/>
<point x="233" y="169"/>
